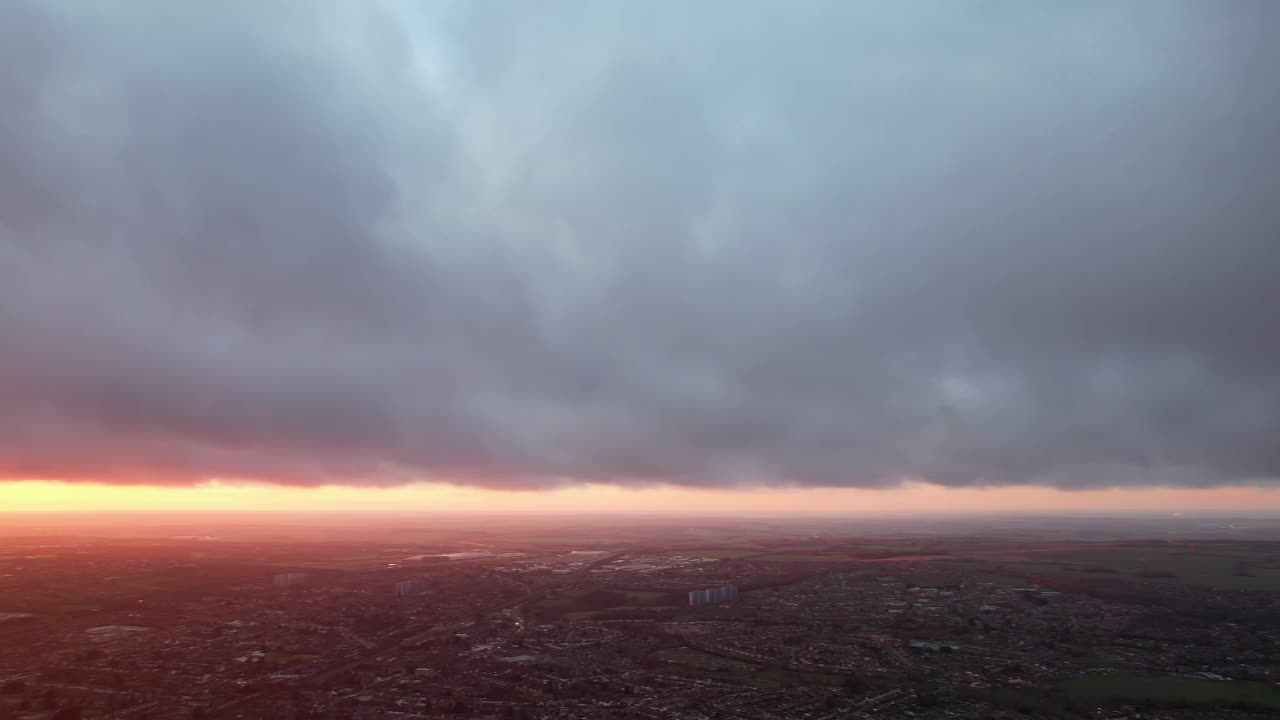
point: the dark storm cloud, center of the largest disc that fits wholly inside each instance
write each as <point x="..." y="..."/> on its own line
<point x="522" y="244"/>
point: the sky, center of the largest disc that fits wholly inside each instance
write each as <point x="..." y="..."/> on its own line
<point x="892" y="256"/>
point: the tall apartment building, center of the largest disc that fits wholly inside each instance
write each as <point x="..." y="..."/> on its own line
<point x="410" y="587"/>
<point x="713" y="596"/>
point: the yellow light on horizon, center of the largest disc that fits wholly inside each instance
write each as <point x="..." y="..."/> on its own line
<point x="40" y="495"/>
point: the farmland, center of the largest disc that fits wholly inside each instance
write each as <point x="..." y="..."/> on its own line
<point x="1174" y="691"/>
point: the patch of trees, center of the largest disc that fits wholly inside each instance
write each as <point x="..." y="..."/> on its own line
<point x="598" y="600"/>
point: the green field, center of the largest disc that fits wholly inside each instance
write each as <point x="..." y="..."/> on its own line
<point x="712" y="554"/>
<point x="622" y="611"/>
<point x="776" y="678"/>
<point x="1170" y="690"/>
<point x="797" y="557"/>
<point x="743" y="672"/>
<point x="72" y="609"/>
<point x="702" y="661"/>
<point x="625" y="598"/>
<point x="1241" y="571"/>
<point x="1002" y="580"/>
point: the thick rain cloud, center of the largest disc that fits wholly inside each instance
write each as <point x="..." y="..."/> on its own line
<point x="715" y="243"/>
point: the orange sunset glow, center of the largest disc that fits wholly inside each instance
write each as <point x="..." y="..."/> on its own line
<point x="709" y="259"/>
<point x="912" y="498"/>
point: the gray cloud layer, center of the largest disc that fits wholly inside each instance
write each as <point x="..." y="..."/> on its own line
<point x="518" y="244"/>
